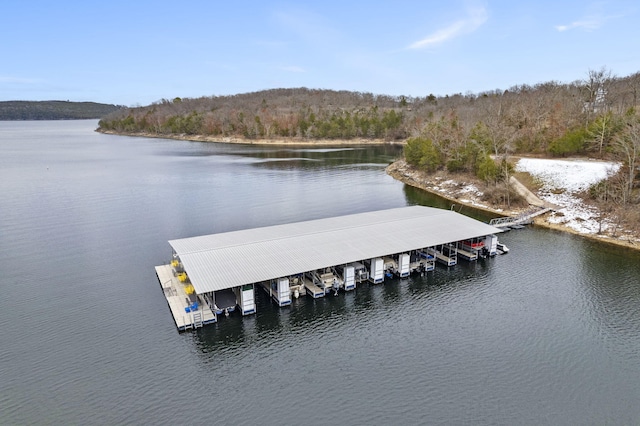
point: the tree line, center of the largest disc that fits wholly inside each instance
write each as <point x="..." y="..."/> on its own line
<point x="521" y="119"/>
<point x="270" y="114"/>
<point x="53" y="110"/>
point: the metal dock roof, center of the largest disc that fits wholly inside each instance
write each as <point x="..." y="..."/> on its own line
<point x="219" y="261"/>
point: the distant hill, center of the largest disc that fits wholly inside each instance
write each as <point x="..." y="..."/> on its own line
<point x="53" y="110"/>
<point x="547" y="118"/>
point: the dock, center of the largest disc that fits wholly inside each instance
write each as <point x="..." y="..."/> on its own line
<point x="179" y="302"/>
<point x="216" y="273"/>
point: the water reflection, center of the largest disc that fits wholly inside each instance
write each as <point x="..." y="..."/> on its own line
<point x="307" y="159"/>
<point x="368" y="300"/>
<point x="610" y="284"/>
<point x="416" y="196"/>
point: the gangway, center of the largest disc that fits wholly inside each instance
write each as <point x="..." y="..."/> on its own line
<point x="523" y="218"/>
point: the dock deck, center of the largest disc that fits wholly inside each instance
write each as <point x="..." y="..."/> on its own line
<point x="443" y="258"/>
<point x="177" y="299"/>
<point x="312" y="289"/>
<point x="468" y="255"/>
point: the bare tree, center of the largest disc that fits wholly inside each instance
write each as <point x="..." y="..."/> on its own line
<point x="597" y="87"/>
<point x="627" y="146"/>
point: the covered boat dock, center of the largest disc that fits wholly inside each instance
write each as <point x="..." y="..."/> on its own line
<point x="327" y="253"/>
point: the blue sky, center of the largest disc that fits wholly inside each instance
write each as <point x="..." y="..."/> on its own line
<point x="137" y="52"/>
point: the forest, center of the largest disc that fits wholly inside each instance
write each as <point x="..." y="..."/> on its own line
<point x="53" y="110"/>
<point x="473" y="133"/>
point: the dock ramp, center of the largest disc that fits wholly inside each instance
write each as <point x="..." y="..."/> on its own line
<point x="523" y="218"/>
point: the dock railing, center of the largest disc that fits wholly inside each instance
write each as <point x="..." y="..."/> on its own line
<point x="523" y="218"/>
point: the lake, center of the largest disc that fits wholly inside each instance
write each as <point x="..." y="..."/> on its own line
<point x="547" y="334"/>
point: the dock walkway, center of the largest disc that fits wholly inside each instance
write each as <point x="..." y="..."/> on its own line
<point x="177" y="299"/>
<point x="523" y="218"/>
<point x="538" y="207"/>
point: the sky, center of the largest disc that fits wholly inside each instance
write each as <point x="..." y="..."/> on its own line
<point x="137" y="52"/>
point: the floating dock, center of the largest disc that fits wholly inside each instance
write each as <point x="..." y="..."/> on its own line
<point x="212" y="274"/>
<point x="180" y="303"/>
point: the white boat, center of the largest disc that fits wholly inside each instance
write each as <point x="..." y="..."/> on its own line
<point x="502" y="249"/>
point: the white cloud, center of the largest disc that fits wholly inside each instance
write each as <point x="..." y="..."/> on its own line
<point x="595" y="17"/>
<point x="587" y="24"/>
<point x="474" y="20"/>
<point x="292" y="68"/>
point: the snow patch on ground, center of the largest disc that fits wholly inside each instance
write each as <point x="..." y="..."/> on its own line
<point x="561" y="181"/>
<point x="471" y="189"/>
<point x="475" y="195"/>
<point x="454" y="189"/>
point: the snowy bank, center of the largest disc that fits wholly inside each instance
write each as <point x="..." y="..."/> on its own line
<point x="562" y="181"/>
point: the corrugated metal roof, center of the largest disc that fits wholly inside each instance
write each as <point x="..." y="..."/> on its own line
<point x="219" y="261"/>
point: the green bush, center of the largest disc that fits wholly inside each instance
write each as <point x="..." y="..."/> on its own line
<point x="486" y="168"/>
<point x="572" y="142"/>
<point x="422" y="153"/>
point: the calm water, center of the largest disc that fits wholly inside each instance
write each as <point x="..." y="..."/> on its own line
<point x="548" y="334"/>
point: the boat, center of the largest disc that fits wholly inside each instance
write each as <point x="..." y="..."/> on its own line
<point x="502" y="248"/>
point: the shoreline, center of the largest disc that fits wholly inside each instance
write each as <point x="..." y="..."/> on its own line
<point x="244" y="141"/>
<point x="394" y="170"/>
<point x="397" y="170"/>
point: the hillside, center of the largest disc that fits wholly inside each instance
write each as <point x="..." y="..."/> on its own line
<point x="53" y="110"/>
<point x="524" y="118"/>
